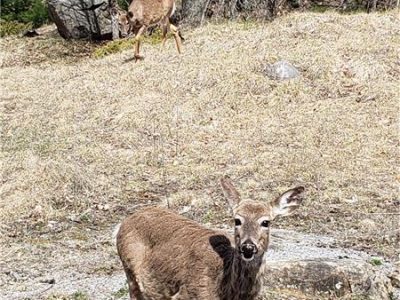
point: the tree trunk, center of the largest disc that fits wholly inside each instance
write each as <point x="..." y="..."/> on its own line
<point x="374" y="3"/>
<point x="113" y="7"/>
<point x="193" y="10"/>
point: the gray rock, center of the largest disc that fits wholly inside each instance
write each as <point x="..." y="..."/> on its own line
<point x="77" y="19"/>
<point x="281" y="70"/>
<point x="395" y="278"/>
<point x="310" y="267"/>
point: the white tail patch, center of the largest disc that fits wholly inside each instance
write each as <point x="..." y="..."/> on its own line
<point x="115" y="233"/>
<point x="173" y="10"/>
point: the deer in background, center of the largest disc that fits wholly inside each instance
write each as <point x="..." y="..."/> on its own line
<point x="145" y="13"/>
<point x="167" y="256"/>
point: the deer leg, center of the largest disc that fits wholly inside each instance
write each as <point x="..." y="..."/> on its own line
<point x="134" y="291"/>
<point x="177" y="37"/>
<point x="138" y="38"/>
<point x="164" y="30"/>
<point x="182" y="294"/>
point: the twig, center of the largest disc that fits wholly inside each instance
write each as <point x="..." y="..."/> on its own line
<point x="363" y="213"/>
<point x="204" y="13"/>
<point x="46" y="289"/>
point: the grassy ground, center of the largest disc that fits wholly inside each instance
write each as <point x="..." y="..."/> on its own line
<point x="85" y="140"/>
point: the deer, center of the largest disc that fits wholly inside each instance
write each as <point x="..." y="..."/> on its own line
<point x="143" y="14"/>
<point x="168" y="256"/>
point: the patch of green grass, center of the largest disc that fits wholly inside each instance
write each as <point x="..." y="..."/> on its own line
<point x="86" y="218"/>
<point x="104" y="269"/>
<point x="122" y="292"/>
<point x="13" y="27"/>
<point x="209" y="216"/>
<point x="124" y="44"/>
<point x="359" y="297"/>
<point x="320" y="8"/>
<point x="113" y="47"/>
<point x="249" y="24"/>
<point x="155" y="37"/>
<point x="79" y="295"/>
<point x="353" y="11"/>
<point x="56" y="297"/>
<point x="375" y="261"/>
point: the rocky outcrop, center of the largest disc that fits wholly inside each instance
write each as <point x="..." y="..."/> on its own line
<point x="77" y="19"/>
<point x="310" y="267"/>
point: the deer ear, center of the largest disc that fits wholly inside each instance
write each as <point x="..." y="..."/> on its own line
<point x="288" y="202"/>
<point x="231" y="194"/>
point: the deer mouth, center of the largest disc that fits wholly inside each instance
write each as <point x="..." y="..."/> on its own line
<point x="247" y="256"/>
<point x="248" y="251"/>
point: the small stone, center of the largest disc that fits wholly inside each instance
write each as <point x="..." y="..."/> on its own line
<point x="281" y="70"/>
<point x="395" y="278"/>
<point x="48" y="281"/>
<point x="185" y="209"/>
<point x="368" y="224"/>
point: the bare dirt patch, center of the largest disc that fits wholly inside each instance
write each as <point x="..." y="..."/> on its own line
<point x="83" y="142"/>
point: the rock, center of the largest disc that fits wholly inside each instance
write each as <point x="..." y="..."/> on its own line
<point x="77" y="19"/>
<point x="281" y="70"/>
<point x="48" y="280"/>
<point x="395" y="278"/>
<point x="30" y="33"/>
<point x="368" y="225"/>
<point x="309" y="265"/>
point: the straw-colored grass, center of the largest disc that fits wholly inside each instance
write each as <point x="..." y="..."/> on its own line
<point x="100" y="134"/>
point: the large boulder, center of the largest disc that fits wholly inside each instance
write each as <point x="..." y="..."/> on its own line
<point x="303" y="266"/>
<point x="77" y="19"/>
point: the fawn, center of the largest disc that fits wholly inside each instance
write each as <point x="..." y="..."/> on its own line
<point x="168" y="256"/>
<point x="145" y="13"/>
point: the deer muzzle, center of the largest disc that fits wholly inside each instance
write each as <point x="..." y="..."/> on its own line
<point x="248" y="250"/>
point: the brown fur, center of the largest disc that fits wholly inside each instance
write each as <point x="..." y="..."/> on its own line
<point x="145" y="13"/>
<point x="167" y="256"/>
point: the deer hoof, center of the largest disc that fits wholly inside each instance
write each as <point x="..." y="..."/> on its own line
<point x="138" y="57"/>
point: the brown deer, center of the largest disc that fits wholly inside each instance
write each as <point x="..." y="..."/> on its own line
<point x="145" y="13"/>
<point x="167" y="256"/>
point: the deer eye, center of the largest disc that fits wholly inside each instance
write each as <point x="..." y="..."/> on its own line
<point x="238" y="222"/>
<point x="265" y="223"/>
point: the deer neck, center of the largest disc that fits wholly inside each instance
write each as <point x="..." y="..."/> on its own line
<point x="241" y="279"/>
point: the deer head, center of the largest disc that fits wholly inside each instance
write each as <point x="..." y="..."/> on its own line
<point x="124" y="23"/>
<point x="253" y="218"/>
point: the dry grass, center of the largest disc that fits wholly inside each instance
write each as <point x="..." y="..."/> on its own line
<point x="49" y="48"/>
<point x="82" y="140"/>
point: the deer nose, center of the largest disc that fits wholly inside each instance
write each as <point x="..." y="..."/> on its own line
<point x="248" y="249"/>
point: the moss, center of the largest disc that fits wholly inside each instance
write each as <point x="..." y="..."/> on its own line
<point x="375" y="261"/>
<point x="122" y="292"/>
